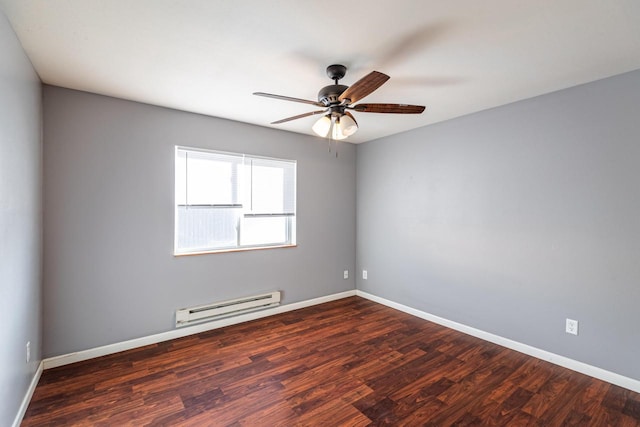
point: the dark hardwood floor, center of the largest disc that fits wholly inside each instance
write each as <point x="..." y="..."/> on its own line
<point x="349" y="362"/>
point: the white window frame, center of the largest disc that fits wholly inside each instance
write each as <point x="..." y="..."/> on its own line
<point x="246" y="208"/>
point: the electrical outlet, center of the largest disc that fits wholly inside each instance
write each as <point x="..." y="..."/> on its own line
<point x="572" y="327"/>
<point x="28" y="351"/>
<point x="364" y="274"/>
<point x="346" y="274"/>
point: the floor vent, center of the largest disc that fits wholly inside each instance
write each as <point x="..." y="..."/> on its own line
<point x="205" y="313"/>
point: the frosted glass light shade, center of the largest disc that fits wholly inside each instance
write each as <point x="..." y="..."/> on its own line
<point x="322" y="126"/>
<point x="336" y="132"/>
<point x="343" y="127"/>
<point x="347" y="125"/>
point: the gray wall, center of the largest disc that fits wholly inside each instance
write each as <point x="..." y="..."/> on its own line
<point x="109" y="270"/>
<point x="20" y="222"/>
<point x="513" y="219"/>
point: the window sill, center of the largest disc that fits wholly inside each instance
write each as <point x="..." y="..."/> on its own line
<point x="223" y="251"/>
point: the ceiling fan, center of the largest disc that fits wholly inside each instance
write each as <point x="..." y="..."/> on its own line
<point x="336" y="100"/>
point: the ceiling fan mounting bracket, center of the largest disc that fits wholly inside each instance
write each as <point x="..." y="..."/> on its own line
<point x="336" y="72"/>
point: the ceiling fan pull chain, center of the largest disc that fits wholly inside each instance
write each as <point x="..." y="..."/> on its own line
<point x="332" y="126"/>
<point x="335" y="131"/>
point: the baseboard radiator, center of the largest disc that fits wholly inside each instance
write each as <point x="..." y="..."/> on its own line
<point x="218" y="310"/>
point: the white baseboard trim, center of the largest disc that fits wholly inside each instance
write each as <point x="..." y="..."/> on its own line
<point x="593" y="371"/>
<point x="28" y="395"/>
<point x="65" y="359"/>
<point x="574" y="365"/>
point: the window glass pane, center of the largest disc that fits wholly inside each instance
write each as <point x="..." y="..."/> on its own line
<point x="226" y="201"/>
<point x="273" y="186"/>
<point x="267" y="190"/>
<point x="203" y="228"/>
<point x="212" y="179"/>
<point x="209" y="182"/>
<point x="264" y="231"/>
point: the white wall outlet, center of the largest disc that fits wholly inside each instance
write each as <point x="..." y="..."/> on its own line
<point x="346" y="274"/>
<point x="28" y="351"/>
<point x="572" y="327"/>
<point x="364" y="274"/>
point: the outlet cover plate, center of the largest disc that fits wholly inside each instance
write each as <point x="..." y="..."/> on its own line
<point x="572" y="327"/>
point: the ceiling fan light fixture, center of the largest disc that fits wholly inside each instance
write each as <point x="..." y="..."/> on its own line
<point x="343" y="127"/>
<point x="347" y="125"/>
<point x="336" y="133"/>
<point x="322" y="126"/>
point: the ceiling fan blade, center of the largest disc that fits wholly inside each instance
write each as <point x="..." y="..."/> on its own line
<point x="299" y="116"/>
<point x="389" y="108"/>
<point x="288" y="98"/>
<point x="364" y="86"/>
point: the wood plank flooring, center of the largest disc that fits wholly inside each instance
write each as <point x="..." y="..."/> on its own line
<point x="350" y="362"/>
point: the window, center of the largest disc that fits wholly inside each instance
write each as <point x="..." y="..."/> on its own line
<point x="227" y="201"/>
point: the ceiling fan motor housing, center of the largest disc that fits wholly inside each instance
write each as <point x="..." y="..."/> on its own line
<point x="328" y="95"/>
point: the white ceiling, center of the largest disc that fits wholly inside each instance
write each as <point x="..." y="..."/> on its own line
<point x="209" y="56"/>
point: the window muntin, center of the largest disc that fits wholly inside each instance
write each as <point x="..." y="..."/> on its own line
<point x="227" y="201"/>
